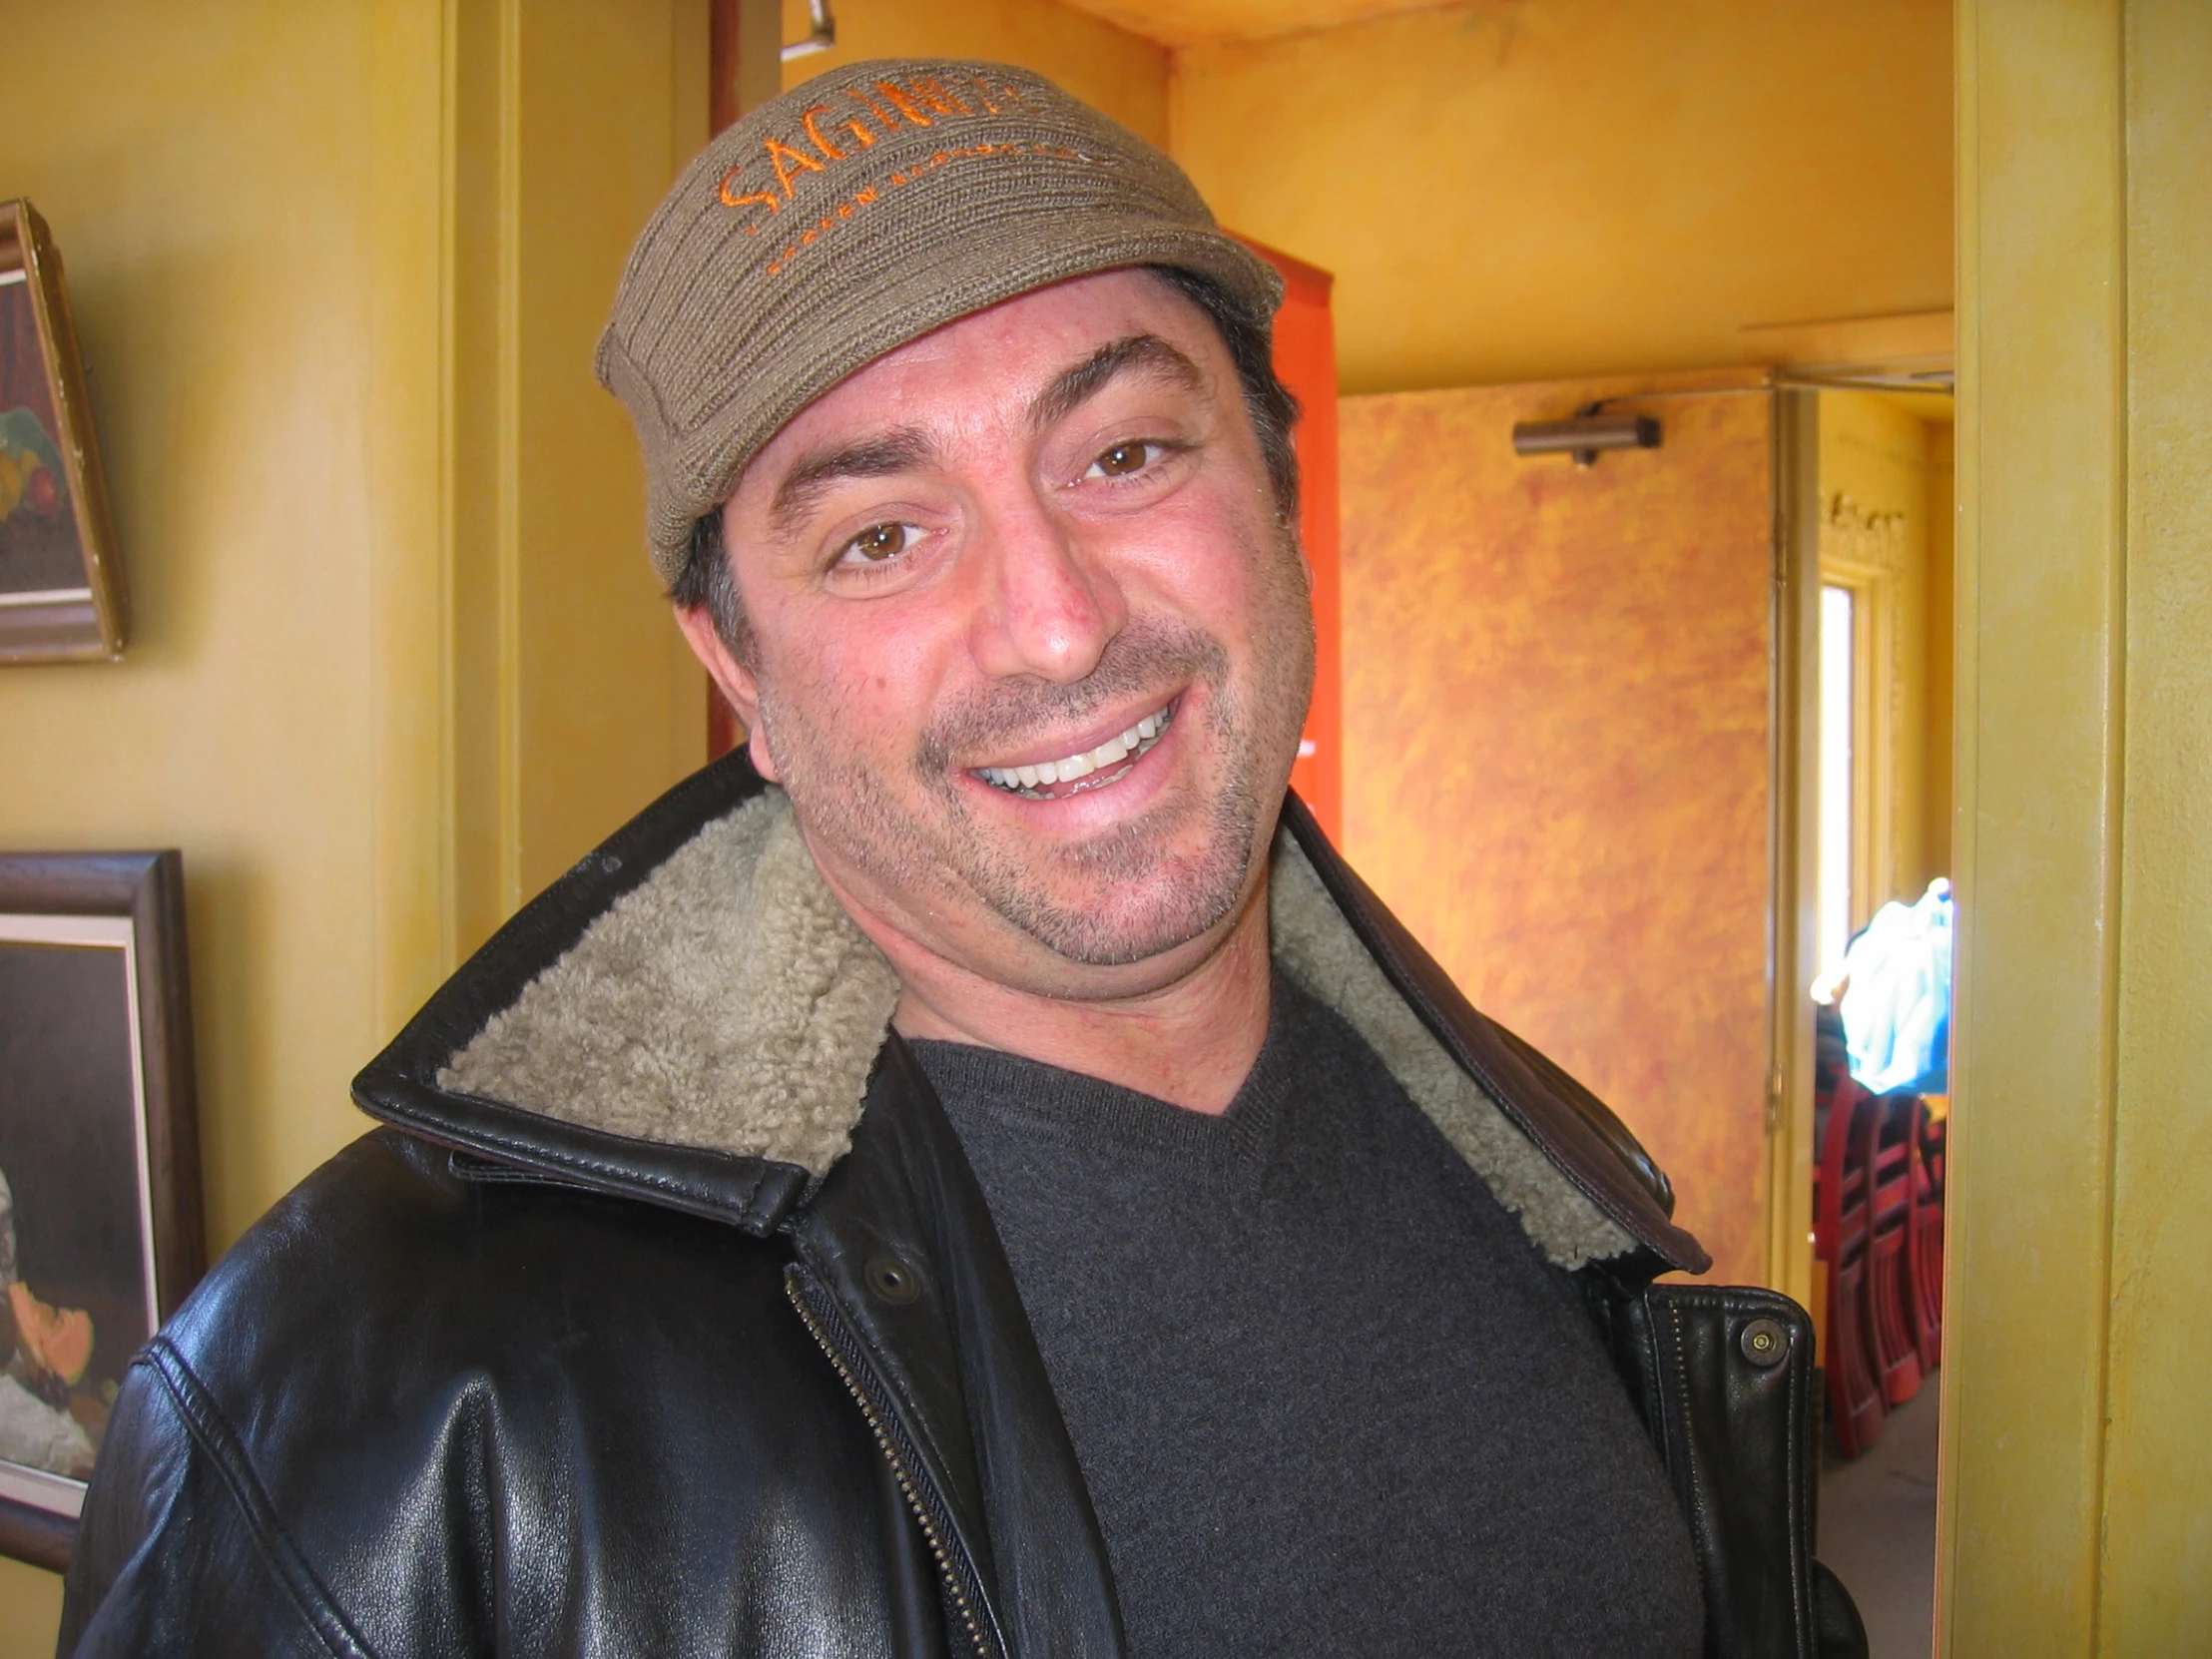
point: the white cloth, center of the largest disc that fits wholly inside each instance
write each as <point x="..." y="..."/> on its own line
<point x="33" y="1432"/>
<point x="1897" y="1002"/>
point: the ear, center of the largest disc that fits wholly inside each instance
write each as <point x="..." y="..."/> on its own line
<point x="732" y="678"/>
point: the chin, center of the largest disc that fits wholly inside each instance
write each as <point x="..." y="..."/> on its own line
<point x="1134" y="917"/>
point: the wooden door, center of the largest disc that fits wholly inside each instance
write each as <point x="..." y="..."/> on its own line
<point x="1559" y="740"/>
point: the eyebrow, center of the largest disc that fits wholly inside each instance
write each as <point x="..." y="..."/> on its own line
<point x="905" y="448"/>
<point x="1132" y="355"/>
<point x="899" y="450"/>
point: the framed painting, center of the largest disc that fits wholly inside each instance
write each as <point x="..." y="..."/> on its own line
<point x="61" y="585"/>
<point x="100" y="1215"/>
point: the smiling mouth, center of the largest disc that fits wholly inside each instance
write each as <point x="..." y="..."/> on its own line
<point x="1093" y="768"/>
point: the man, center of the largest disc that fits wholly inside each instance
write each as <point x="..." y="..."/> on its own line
<point x="974" y="1173"/>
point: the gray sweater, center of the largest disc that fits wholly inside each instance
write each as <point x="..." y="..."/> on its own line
<point x="1326" y="1397"/>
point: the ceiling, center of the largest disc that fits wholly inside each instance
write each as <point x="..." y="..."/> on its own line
<point x="1196" y="22"/>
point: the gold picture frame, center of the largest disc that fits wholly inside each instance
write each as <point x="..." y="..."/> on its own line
<point x="62" y="597"/>
<point x="102" y="1233"/>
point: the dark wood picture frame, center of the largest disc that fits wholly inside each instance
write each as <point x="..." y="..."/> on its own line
<point x="76" y="613"/>
<point x="136" y="897"/>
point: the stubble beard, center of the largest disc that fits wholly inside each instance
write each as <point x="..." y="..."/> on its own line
<point x="1169" y="897"/>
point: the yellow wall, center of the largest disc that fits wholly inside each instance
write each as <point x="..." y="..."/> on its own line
<point x="338" y="269"/>
<point x="225" y="292"/>
<point x="605" y="102"/>
<point x="2076" y="1451"/>
<point x="1532" y="189"/>
<point x="1936" y="763"/>
<point x="1123" y="74"/>
<point x="30" y="1611"/>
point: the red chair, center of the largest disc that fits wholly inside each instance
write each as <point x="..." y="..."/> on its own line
<point x="1842" y="1228"/>
<point x="1891" y="1138"/>
<point x="1923" y="1249"/>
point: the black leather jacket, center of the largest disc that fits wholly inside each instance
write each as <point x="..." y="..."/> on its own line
<point x="496" y="1380"/>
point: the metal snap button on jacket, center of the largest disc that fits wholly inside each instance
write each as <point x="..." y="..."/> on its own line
<point x="892" y="1279"/>
<point x="1764" y="1342"/>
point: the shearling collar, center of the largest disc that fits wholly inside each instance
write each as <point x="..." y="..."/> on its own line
<point x="691" y="1016"/>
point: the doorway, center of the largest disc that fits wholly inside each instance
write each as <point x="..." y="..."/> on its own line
<point x="1879" y="767"/>
<point x="1593" y="768"/>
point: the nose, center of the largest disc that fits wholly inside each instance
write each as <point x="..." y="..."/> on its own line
<point x="1047" y="605"/>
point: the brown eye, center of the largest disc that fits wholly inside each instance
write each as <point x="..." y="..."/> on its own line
<point x="878" y="542"/>
<point x="1123" y="459"/>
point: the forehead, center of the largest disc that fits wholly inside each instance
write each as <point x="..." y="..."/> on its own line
<point x="981" y="362"/>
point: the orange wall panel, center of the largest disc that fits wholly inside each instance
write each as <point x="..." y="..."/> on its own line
<point x="1306" y="362"/>
<point x="1556" y="722"/>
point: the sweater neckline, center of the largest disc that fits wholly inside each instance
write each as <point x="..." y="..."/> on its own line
<point x="1030" y="1097"/>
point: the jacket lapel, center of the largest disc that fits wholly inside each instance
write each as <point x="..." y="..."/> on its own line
<point x="1584" y="1141"/>
<point x="899" y="1264"/>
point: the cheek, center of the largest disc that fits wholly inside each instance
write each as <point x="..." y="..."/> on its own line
<point x="855" y="685"/>
<point x="1215" y="562"/>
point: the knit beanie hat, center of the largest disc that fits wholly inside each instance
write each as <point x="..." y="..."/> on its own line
<point x="855" y="213"/>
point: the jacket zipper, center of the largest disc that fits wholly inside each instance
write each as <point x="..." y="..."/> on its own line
<point x="827" y="1325"/>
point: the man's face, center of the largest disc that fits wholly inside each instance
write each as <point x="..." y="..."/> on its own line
<point x="1030" y="648"/>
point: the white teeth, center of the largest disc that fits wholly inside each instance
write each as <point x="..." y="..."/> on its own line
<point x="1112" y="751"/>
